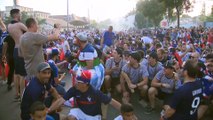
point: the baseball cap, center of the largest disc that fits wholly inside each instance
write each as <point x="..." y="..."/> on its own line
<point x="84" y="77"/>
<point x="55" y="52"/>
<point x="82" y="36"/>
<point x="43" y="66"/>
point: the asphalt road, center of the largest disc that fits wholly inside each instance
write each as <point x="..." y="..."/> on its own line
<point x="10" y="109"/>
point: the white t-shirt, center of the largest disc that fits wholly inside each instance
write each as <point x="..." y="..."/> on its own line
<point x="146" y="40"/>
<point x="119" y="118"/>
<point x="63" y="46"/>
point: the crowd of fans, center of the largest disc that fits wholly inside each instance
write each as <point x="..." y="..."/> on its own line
<point x="174" y="65"/>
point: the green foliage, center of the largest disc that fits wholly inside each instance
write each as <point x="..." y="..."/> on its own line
<point x="153" y="10"/>
<point x="41" y="21"/>
<point x="178" y="5"/>
<point x="209" y="18"/>
<point x="105" y="24"/>
<point x="24" y="17"/>
<point x="93" y="24"/>
<point x="140" y="20"/>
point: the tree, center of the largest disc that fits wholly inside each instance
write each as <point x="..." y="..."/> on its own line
<point x="24" y="17"/>
<point x="178" y="5"/>
<point x="152" y="9"/>
<point x="41" y="21"/>
<point x="140" y="20"/>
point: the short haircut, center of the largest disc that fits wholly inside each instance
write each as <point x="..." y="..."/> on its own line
<point x="37" y="106"/>
<point x="125" y="108"/>
<point x="162" y="51"/>
<point x="158" y="45"/>
<point x="153" y="55"/>
<point x="30" y="22"/>
<point x="13" y="12"/>
<point x="192" y="68"/>
<point x="209" y="56"/>
<point x="141" y="53"/>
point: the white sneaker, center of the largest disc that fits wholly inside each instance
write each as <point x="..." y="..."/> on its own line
<point x="4" y="82"/>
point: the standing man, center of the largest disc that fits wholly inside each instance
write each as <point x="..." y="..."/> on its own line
<point x="107" y="40"/>
<point x="185" y="101"/>
<point x="7" y="56"/>
<point x="16" y="29"/>
<point x="31" y="46"/>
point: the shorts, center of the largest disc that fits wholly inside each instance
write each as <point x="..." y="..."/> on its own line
<point x="19" y="64"/>
<point x="206" y="101"/>
<point x="164" y="96"/>
<point x="115" y="81"/>
<point x="80" y="115"/>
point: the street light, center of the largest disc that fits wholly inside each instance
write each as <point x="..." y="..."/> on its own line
<point x="68" y="15"/>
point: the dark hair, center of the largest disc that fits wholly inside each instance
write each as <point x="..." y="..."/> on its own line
<point x="119" y="51"/>
<point x="154" y="55"/>
<point x="30" y="22"/>
<point x="192" y="68"/>
<point x="135" y="55"/>
<point x="37" y="106"/>
<point x="13" y="12"/>
<point x="162" y="51"/>
<point x="141" y="53"/>
<point x="209" y="56"/>
<point x="158" y="45"/>
<point x="55" y="25"/>
<point x="126" y="108"/>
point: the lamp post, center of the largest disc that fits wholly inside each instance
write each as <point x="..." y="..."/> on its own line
<point x="68" y="15"/>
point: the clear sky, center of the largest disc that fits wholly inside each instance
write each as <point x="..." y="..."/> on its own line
<point x="98" y="9"/>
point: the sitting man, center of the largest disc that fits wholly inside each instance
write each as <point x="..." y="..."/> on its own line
<point x="55" y="78"/>
<point x="113" y="70"/>
<point x="153" y="67"/>
<point x="163" y="85"/>
<point x="135" y="75"/>
<point x="35" y="90"/>
<point x="87" y="98"/>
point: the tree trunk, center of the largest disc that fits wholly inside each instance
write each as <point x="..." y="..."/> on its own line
<point x="178" y="16"/>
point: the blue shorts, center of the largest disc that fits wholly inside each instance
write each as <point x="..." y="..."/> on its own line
<point x="19" y="64"/>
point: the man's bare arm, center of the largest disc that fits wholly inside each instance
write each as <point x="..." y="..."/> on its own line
<point x="56" y="105"/>
<point x="115" y="104"/>
<point x="2" y="25"/>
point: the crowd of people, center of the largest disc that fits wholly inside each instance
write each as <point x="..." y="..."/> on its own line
<point x="174" y="65"/>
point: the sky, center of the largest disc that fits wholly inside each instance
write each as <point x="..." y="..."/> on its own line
<point x="97" y="9"/>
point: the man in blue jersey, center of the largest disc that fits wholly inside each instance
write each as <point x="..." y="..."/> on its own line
<point x="185" y="101"/>
<point x="208" y="86"/>
<point x="108" y="39"/>
<point x="35" y="90"/>
<point x="87" y="98"/>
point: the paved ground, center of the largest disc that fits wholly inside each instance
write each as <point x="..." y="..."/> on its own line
<point x="10" y="110"/>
